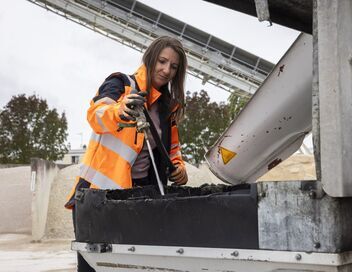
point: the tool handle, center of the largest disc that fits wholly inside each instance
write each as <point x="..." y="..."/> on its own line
<point x="160" y="184"/>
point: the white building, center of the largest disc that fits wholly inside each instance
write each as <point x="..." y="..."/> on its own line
<point x="74" y="156"/>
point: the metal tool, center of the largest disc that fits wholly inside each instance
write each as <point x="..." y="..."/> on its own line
<point x="160" y="185"/>
<point x="143" y="126"/>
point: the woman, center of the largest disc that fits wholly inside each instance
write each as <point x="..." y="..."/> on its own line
<point x="117" y="156"/>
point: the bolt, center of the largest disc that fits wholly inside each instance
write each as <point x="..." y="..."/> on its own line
<point x="298" y="257"/>
<point x="108" y="248"/>
<point x="132" y="249"/>
<point x="317" y="245"/>
<point x="312" y="194"/>
<point x="91" y="248"/>
<point x="262" y="194"/>
<point x="235" y="253"/>
<point x="180" y="251"/>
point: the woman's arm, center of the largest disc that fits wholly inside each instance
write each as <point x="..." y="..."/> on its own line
<point x="106" y="108"/>
<point x="179" y="176"/>
<point x="175" y="149"/>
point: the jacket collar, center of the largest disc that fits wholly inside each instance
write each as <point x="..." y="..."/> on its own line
<point x="141" y="78"/>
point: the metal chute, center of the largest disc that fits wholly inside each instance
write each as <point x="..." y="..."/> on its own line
<point x="273" y="124"/>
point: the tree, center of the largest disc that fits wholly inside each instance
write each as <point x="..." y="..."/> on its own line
<point x="236" y="104"/>
<point x="203" y="124"/>
<point x="30" y="129"/>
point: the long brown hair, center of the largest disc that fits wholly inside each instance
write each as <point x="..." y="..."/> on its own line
<point x="150" y="59"/>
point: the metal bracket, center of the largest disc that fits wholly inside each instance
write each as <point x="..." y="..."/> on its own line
<point x="262" y="8"/>
<point x="315" y="189"/>
<point x="79" y="195"/>
<point x="91" y="247"/>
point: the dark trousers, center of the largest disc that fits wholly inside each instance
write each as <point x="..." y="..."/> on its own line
<point x="143" y="182"/>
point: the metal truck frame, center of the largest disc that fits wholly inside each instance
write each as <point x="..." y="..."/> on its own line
<point x="302" y="226"/>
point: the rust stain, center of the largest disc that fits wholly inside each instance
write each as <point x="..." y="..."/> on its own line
<point x="274" y="163"/>
<point x="140" y="267"/>
<point x="281" y="69"/>
<point x="286" y="118"/>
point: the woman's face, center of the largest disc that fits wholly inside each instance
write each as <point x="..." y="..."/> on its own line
<point x="165" y="68"/>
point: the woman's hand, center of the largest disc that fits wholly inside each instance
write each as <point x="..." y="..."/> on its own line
<point x="179" y="176"/>
<point x="128" y="106"/>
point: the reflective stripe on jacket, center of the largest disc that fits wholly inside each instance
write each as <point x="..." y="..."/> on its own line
<point x="112" y="151"/>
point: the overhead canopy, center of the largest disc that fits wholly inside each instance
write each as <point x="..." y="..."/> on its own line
<point x="296" y="14"/>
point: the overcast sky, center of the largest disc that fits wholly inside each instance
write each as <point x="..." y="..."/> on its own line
<point x="65" y="63"/>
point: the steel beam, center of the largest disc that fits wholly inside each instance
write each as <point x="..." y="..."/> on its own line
<point x="121" y="257"/>
<point x="137" y="25"/>
<point x="334" y="42"/>
<point x="296" y="14"/>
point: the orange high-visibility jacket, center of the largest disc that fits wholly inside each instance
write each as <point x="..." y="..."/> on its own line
<point x="112" y="151"/>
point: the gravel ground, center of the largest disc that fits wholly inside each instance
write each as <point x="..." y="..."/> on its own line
<point x="19" y="254"/>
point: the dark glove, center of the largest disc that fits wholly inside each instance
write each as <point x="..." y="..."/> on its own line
<point x="128" y="105"/>
<point x="179" y="176"/>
